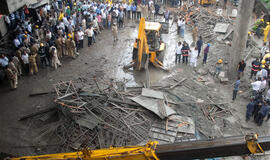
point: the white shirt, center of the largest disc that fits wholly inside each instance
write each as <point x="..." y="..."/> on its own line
<point x="80" y="34"/>
<point x="25" y="58"/>
<point x="178" y="49"/>
<point x="193" y="54"/>
<point x="262" y="73"/>
<point x="263" y="85"/>
<point x="268" y="94"/>
<point x="256" y="85"/>
<point x="16" y="42"/>
<point x="89" y="32"/>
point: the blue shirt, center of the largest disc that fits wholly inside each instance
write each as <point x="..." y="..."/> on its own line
<point x="236" y="85"/>
<point x="4" y="61"/>
<point x="264" y="110"/>
<point x="128" y="7"/>
<point x="133" y="8"/>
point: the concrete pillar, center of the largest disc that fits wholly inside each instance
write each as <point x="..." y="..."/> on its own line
<point x="245" y="9"/>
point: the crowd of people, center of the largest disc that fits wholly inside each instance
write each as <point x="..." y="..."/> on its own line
<point x="60" y="28"/>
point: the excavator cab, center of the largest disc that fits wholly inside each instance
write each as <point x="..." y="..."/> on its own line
<point x="149" y="45"/>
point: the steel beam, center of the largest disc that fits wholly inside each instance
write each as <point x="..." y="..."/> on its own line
<point x="223" y="147"/>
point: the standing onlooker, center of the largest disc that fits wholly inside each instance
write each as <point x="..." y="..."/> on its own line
<point x="55" y="60"/>
<point x="25" y="59"/>
<point x="199" y="45"/>
<point x="178" y="53"/>
<point x="179" y="23"/>
<point x="241" y="68"/>
<point x="81" y="35"/>
<point x="3" y="61"/>
<point x="255" y="67"/>
<point x="156" y="11"/>
<point x="250" y="108"/>
<point x="236" y="88"/>
<point x="128" y="11"/>
<point x="89" y="32"/>
<point x="263" y="112"/>
<point x="205" y="53"/>
<point x="134" y="10"/>
<point x="139" y="11"/>
<point x="167" y="16"/>
<point x="194" y="33"/>
<point x="109" y="19"/>
<point x="114" y="30"/>
<point x="185" y="51"/>
<point x="182" y="28"/>
<point x="193" y="55"/>
<point x="256" y="87"/>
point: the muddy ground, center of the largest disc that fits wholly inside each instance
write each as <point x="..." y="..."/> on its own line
<point x="106" y="59"/>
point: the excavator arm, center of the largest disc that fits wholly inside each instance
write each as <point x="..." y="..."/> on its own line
<point x="223" y="147"/>
<point x="266" y="31"/>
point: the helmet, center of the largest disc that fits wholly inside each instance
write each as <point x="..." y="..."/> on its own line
<point x="268" y="23"/>
<point x="36" y="26"/>
<point x="263" y="62"/>
<point x="262" y="20"/>
<point x="220" y="61"/>
<point x="269" y="67"/>
<point x="208" y="44"/>
<point x="263" y="66"/>
<point x="25" y="36"/>
<point x="67" y="6"/>
<point x="74" y="4"/>
<point x="249" y="33"/>
<point x="41" y="44"/>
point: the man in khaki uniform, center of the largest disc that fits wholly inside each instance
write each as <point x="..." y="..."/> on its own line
<point x="64" y="46"/>
<point x="114" y="30"/>
<point x="59" y="44"/>
<point x="12" y="77"/>
<point x="33" y="64"/>
<point x="34" y="51"/>
<point x="17" y="64"/>
<point x="69" y="49"/>
<point x="194" y="33"/>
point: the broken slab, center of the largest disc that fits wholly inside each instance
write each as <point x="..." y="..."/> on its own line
<point x="183" y="124"/>
<point x="221" y="27"/>
<point x="152" y="93"/>
<point x="88" y="121"/>
<point x="153" y="105"/>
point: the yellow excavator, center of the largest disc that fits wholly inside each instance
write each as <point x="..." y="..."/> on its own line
<point x="206" y="2"/>
<point x="148" y="46"/>
<point x="230" y="146"/>
<point x="266" y="31"/>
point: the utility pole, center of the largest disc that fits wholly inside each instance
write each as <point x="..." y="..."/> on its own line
<point x="240" y="35"/>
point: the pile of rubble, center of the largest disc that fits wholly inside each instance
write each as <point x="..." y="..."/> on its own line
<point x="104" y="113"/>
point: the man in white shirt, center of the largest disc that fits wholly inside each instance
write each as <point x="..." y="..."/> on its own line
<point x="3" y="61"/>
<point x="178" y="53"/>
<point x="25" y="59"/>
<point x="262" y="73"/>
<point x="81" y="36"/>
<point x="89" y="32"/>
<point x="17" y="43"/>
<point x="256" y="86"/>
<point x="263" y="85"/>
